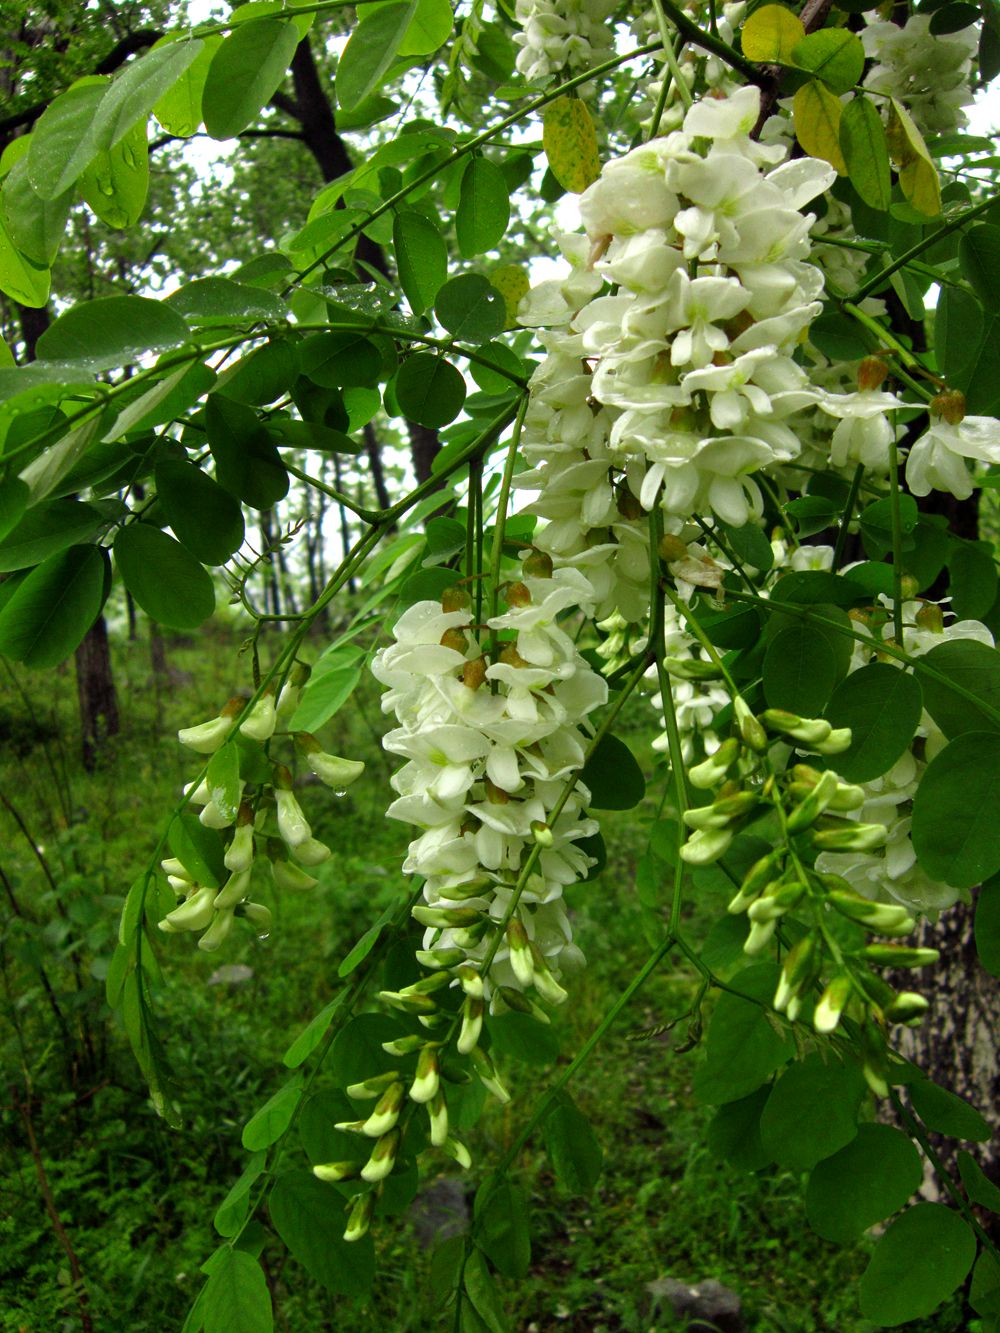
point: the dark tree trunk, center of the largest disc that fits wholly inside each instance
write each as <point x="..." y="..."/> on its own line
<point x="95" y="687"/>
<point x="374" y="451"/>
<point x="345" y="522"/>
<point x="272" y="593"/>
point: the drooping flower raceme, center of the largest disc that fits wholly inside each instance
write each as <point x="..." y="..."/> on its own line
<point x="490" y="744"/>
<point x="929" y="73"/>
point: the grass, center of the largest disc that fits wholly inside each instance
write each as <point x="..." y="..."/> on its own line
<point x="136" y="1200"/>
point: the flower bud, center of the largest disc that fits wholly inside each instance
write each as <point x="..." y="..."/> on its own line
<point x="692" y="668"/>
<point x="207" y="737"/>
<point x="832" y="1003"/>
<point x="488" y="1076"/>
<point x="386" y="1112"/>
<point x="472" y="1025"/>
<point x="336" y="1171"/>
<point x="437" y="1113"/>
<point x="261" y="720"/>
<point x="749" y="727"/>
<point x="239" y="853"/>
<point x="288" y="699"/>
<point x="311" y="852"/>
<point x="837" y="742"/>
<point x="329" y="768"/>
<point x="771" y="906"/>
<point x="542" y="834"/>
<point x="810" y="730"/>
<point x="215" y="936"/>
<point x="401" y="1046"/>
<point x="382" y="1159"/>
<point x="290" y="879"/>
<point x="427" y="1078"/>
<point x="760" y="936"/>
<point x="851" y="837"/>
<point x="195" y="914"/>
<point x="711" y="771"/>
<point x="872" y="373"/>
<point x="906" y="1007"/>
<point x="706" y="846"/>
<point x="360" y="1218"/>
<point x="949" y="406"/>
<point x="899" y="955"/>
<point x="235" y="889"/>
<point x="809" y="809"/>
<point x="259" y="917"/>
<point x="408" y="1004"/>
<point x="372" y="1087"/>
<point x="442" y="917"/>
<point x="757" y="878"/>
<point x="545" y="983"/>
<point x="458" y="1151"/>
<point x="471" y="982"/>
<point x="176" y="869"/>
<point x="436" y="958"/>
<point x="796" y="973"/>
<point x="213" y="817"/>
<point x="520" y="953"/>
<point x="292" y="823"/>
<point x="883" y="918"/>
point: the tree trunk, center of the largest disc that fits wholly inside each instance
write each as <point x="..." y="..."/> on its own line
<point x="95" y="689"/>
<point x="374" y="451"/>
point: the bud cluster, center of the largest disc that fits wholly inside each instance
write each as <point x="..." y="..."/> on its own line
<point x="261" y="821"/>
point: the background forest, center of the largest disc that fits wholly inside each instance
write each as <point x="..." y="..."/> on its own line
<point x="106" y="1212"/>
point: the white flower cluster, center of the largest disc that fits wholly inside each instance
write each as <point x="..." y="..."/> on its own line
<point x="929" y="73"/>
<point x="681" y="382"/>
<point x="489" y="746"/>
<point x="562" y="36"/>
<point x="700" y="70"/>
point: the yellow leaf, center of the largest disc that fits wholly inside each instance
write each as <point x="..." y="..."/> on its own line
<point x="817" y="124"/>
<point x="918" y="176"/>
<point x="570" y="143"/>
<point x="770" y="33"/>
<point x="512" y="283"/>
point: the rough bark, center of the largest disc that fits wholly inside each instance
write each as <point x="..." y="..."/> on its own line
<point x="95" y="687"/>
<point x="374" y="451"/>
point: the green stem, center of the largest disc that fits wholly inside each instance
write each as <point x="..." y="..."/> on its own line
<point x="848" y="514"/>
<point x="897" y="544"/>
<point x="951" y="225"/>
<point x="500" y="522"/>
<point x="713" y="653"/>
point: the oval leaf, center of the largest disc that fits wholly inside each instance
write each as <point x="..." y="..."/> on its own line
<point x="369" y="53"/>
<point x="570" y="143"/>
<point x="245" y="71"/>
<point x="817" y="113"/>
<point x="918" y="1263"/>
<point x="54" y="607"/>
<point x="204" y="517"/>
<point x="771" y="34"/>
<point x="868" y="1180"/>
<point x="955" y="837"/>
<point x="112" y="331"/>
<point x="483" y="208"/>
<point x="865" y="150"/>
<point x="421" y="258"/>
<point x="166" y="580"/>
<point x="429" y="390"/>
<point x="882" y="707"/>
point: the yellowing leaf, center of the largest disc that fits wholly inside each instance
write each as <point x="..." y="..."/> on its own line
<point x="918" y="176"/>
<point x="817" y="115"/>
<point x="570" y="143"/>
<point x="770" y="33"/>
<point x="512" y="283"/>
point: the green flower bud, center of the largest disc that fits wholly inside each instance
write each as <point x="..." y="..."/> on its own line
<point x="832" y="1003"/>
<point x="906" y="1007"/>
<point x="439" y="957"/>
<point x="837" y="742"/>
<point x="372" y="1087"/>
<point x="771" y="906"/>
<point x="760" y="874"/>
<point x="442" y="917"/>
<point x="215" y="936"/>
<point x="289" y="878"/>
<point x="882" y="918"/>
<point x="207" y="737"/>
<point x="261" y="720"/>
<point x="749" y="727"/>
<point x="329" y="768"/>
<point x="706" y="846"/>
<point x="311" y="852"/>
<point x="195" y="914"/>
<point x="386" y="1112"/>
<point x="542" y="834"/>
<point x="711" y="771"/>
<point x="809" y="730"/>
<point x="239" y="853"/>
<point x="408" y="1003"/>
<point x="520" y="953"/>
<point x="471" y="982"/>
<point x="472" y="1025"/>
<point x="851" y="837"/>
<point x="427" y="1078"/>
<point x="336" y="1171"/>
<point x="404" y="1045"/>
<point x="899" y="955"/>
<point x="359" y="1221"/>
<point x="760" y="936"/>
<point x="437" y="1112"/>
<point x="808" y="810"/>
<point x="545" y="983"/>
<point x="488" y="1076"/>
<point x="692" y="668"/>
<point x="382" y="1159"/>
<point x="233" y="891"/>
<point x="458" y="1151"/>
<point x="292" y="823"/>
<point x="797" y="974"/>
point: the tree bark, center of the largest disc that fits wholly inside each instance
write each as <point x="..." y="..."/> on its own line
<point x="95" y="687"/>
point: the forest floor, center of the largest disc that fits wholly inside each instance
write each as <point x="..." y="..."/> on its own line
<point x="135" y="1199"/>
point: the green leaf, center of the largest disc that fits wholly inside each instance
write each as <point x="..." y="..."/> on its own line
<point x="179" y="109"/>
<point x="744" y="1048"/>
<point x="923" y="1256"/>
<point x="309" y="1217"/>
<point x="918" y="177"/>
<point x="955" y="838"/>
<point x="866" y="152"/>
<point x="817" y="113"/>
<point x="268" y="1124"/>
<point x="116" y="182"/>
<point x="979" y="255"/>
<point x="60" y="141"/>
<point x="224" y="779"/>
<point x="868" y="1180"/>
<point x="246" y="462"/>
<point x="882" y="707"/>
<point x="973" y="579"/>
<point x="14" y="496"/>
<point x="344" y="359"/>
<point x="771" y="34"/>
<point x="236" y="1298"/>
<point x="132" y="94"/>
<point x="839" y="338"/>
<point x="45" y="529"/>
<point x="25" y="281"/>
<point x="232" y="1211"/>
<point x="749" y="544"/>
<point x="974" y="667"/>
<point x="204" y="517"/>
<point x="947" y="1113"/>
<point x="800" y="671"/>
<point x="521" y="1037"/>
<point x="245" y="71"/>
<point x="429" y="390"/>
<point x="35" y="224"/>
<point x="812" y="1111"/>
<point x="357" y="1051"/>
<point x="570" y="143"/>
<point x="208" y="301"/>
<point x="984" y="1285"/>
<point x="483" y="1294"/>
<point x="978" y="1186"/>
<point x="54" y="606"/>
<point x="576" y="1155"/>
<point x="166" y="580"/>
<point x="613" y="776"/>
<point x="421" y="258"/>
<point x="808" y="587"/>
<point x="324" y="696"/>
<point x="370" y="52"/>
<point x="429" y="28"/>
<point x="112" y="331"/>
<point x="958" y="330"/>
<point x="265" y="374"/>
<point x="988" y="927"/>
<point x="834" y="55"/>
<point x="734" y="1131"/>
<point x="199" y="850"/>
<point x="470" y="308"/>
<point x="483" y="208"/>
<point x="501" y="1228"/>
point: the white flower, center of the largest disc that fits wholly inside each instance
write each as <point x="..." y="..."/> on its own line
<point x="937" y="460"/>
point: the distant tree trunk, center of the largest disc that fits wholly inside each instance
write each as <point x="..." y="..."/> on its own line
<point x="133" y="628"/>
<point x="345" y="523"/>
<point x="312" y="109"/>
<point x="374" y="452"/>
<point x="269" y="571"/>
<point x="95" y="689"/>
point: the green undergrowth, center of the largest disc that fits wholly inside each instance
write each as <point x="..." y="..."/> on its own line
<point x="136" y="1199"/>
